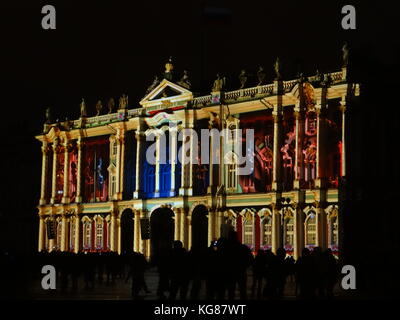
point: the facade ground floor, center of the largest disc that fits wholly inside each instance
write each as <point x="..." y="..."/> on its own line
<point x="292" y="220"/>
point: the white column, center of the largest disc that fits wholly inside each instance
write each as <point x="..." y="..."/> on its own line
<point x="318" y="154"/>
<point x="177" y="225"/>
<point x="187" y="170"/>
<point x="65" y="198"/>
<point x="64" y="234"/>
<point x="136" y="233"/>
<point x="276" y="169"/>
<point x="79" y="173"/>
<point x="139" y="147"/>
<point x="157" y="171"/>
<point x="276" y="228"/>
<point x="42" y="200"/>
<point x="219" y="220"/>
<point x="183" y="228"/>
<point x="212" y="183"/>
<point x="321" y="142"/>
<point x="113" y="232"/>
<point x="54" y="173"/>
<point x="118" y="234"/>
<point x="77" y="233"/>
<point x="142" y="243"/>
<point x="122" y="164"/>
<point x="189" y="233"/>
<point x="173" y="134"/>
<point x="343" y="156"/>
<point x="298" y="235"/>
<point x="211" y="226"/>
<point x="42" y="238"/>
<point x="298" y="163"/>
<point x="118" y="171"/>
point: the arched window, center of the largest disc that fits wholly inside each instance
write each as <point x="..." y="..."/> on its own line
<point x="266" y="232"/>
<point x="333" y="231"/>
<point x="99" y="233"/>
<point x="311" y="230"/>
<point x="288" y="234"/>
<point x="231" y="220"/>
<point x="72" y="232"/>
<point x="165" y="164"/>
<point x="87" y="234"/>
<point x="248" y="229"/>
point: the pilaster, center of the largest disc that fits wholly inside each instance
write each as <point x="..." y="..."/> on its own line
<point x="139" y="154"/>
<point x="136" y="232"/>
<point x="173" y="134"/>
<point x="64" y="233"/>
<point x="42" y="237"/>
<point x="276" y="228"/>
<point x="78" y="198"/>
<point x="54" y="173"/>
<point x="114" y="231"/>
<point x="65" y="198"/>
<point x="321" y="226"/>
<point x="45" y="163"/>
<point x="343" y="155"/>
<point x="299" y="163"/>
<point x="77" y="243"/>
<point x="276" y="169"/>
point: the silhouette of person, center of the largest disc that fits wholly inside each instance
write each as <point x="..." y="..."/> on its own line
<point x="179" y="268"/>
<point x="138" y="264"/>
<point x="258" y="273"/>
<point x="305" y="270"/>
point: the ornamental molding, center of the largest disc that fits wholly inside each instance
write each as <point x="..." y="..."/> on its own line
<point x="182" y="94"/>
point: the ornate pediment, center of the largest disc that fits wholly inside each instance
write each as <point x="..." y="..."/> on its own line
<point x="166" y="94"/>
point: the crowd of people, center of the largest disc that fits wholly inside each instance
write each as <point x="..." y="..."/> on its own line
<point x="221" y="271"/>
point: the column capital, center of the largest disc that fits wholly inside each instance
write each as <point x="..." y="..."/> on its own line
<point x="139" y="135"/>
<point x="120" y="134"/>
<point x="45" y="149"/>
<point x="65" y="142"/>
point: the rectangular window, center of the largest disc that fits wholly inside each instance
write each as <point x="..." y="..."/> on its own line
<point x="248" y="233"/>
<point x="99" y="235"/>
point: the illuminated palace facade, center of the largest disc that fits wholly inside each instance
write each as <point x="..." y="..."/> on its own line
<point x="98" y="187"/>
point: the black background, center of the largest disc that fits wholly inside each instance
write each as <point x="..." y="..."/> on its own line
<point x="103" y="49"/>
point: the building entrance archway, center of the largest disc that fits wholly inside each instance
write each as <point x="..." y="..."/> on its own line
<point x="127" y="231"/>
<point x="161" y="232"/>
<point x="200" y="227"/>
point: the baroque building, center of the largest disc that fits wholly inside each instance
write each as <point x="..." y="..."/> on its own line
<point x="99" y="189"/>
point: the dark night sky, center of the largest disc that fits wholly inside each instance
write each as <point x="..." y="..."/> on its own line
<point x="106" y="48"/>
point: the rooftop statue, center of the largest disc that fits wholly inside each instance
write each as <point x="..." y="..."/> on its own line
<point x="346" y="51"/>
<point x="111" y="105"/>
<point x="48" y="116"/>
<point x="169" y="67"/>
<point x="218" y="84"/>
<point x="277" y="68"/>
<point x="153" y="85"/>
<point x="83" y="108"/>
<point x="123" y="102"/>
<point x="319" y="76"/>
<point x="261" y="76"/>
<point x="242" y="79"/>
<point x="184" y="82"/>
<point x="99" y="106"/>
